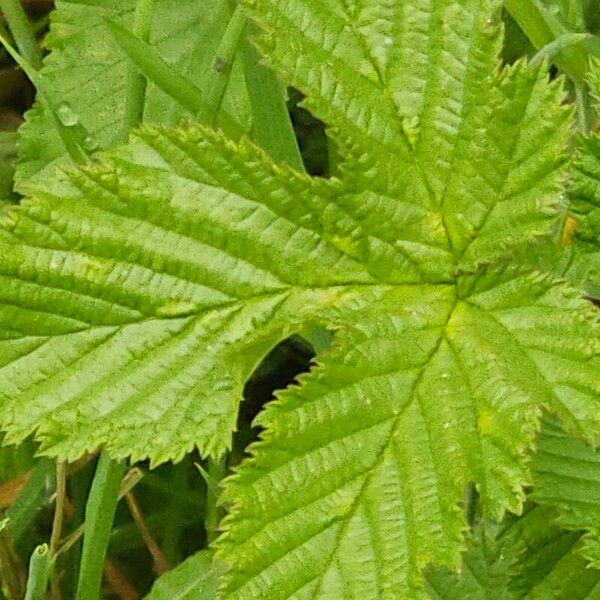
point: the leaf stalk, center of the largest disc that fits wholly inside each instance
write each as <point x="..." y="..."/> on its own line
<point x="22" y="31"/>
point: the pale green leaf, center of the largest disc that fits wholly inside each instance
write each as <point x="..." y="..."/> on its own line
<point x="427" y="80"/>
<point x="139" y="294"/>
<point x="87" y="71"/>
<point x="429" y="391"/>
<point x="191" y="580"/>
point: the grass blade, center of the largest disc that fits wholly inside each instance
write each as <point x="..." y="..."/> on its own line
<point x="218" y="77"/>
<point x="204" y="100"/>
<point x="156" y="69"/>
<point x="22" y="31"/>
<point x="271" y="125"/>
<point x="542" y="29"/>
<point x="99" y="515"/>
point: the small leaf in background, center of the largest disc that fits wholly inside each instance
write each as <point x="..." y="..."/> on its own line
<point x="191" y="580"/>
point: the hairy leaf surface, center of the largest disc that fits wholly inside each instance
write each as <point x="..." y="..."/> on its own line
<point x="138" y="295"/>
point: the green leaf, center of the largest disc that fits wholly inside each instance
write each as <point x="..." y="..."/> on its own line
<point x="142" y="292"/>
<point x="88" y="72"/>
<point x="447" y="118"/>
<point x="191" y="580"/>
<point x="486" y="571"/>
<point x="551" y="567"/>
<point x="585" y="206"/>
<point x="433" y="396"/>
<point x="567" y="476"/>
<point x="524" y="558"/>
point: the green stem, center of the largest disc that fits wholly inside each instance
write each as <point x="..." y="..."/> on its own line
<point x="59" y="510"/>
<point x="271" y="125"/>
<point x="40" y="568"/>
<point x="79" y="487"/>
<point x="471" y="500"/>
<point x="542" y="29"/>
<point x="156" y="69"/>
<point x="22" y="31"/>
<point x="216" y="470"/>
<point x="57" y="523"/>
<point x="99" y="515"/>
<point x="225" y="55"/>
<point x="136" y="81"/>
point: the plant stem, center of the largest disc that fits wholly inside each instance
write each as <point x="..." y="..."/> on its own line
<point x="22" y="31"/>
<point x="59" y="511"/>
<point x="57" y="523"/>
<point x="216" y="470"/>
<point x="131" y="479"/>
<point x="136" y="81"/>
<point x="40" y="567"/>
<point x="225" y="55"/>
<point x="271" y="125"/>
<point x="160" y="562"/>
<point x="119" y="583"/>
<point x="99" y="515"/>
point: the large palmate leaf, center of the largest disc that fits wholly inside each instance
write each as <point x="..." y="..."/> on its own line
<point x="139" y="294"/>
<point x="529" y="558"/>
<point x="87" y="73"/>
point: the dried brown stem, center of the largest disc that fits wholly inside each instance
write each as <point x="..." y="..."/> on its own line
<point x="160" y="562"/>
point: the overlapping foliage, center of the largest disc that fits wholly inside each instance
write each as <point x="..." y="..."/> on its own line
<point x="141" y="292"/>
